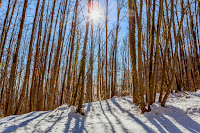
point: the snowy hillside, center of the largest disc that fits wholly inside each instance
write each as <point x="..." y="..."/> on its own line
<point x="181" y="114"/>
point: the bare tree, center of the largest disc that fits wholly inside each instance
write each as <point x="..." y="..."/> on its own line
<point x="9" y="96"/>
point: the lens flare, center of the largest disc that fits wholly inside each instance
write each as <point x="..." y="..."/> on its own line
<point x="95" y="12"/>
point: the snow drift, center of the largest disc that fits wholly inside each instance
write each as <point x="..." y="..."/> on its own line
<point x="181" y="114"/>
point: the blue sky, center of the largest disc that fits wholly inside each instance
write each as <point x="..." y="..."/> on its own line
<point x="112" y="16"/>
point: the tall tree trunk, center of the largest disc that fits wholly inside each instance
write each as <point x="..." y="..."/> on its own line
<point x="166" y="48"/>
<point x="47" y="45"/>
<point x="82" y="66"/>
<point x="89" y="94"/>
<point x="115" y="50"/>
<point x="75" y="89"/>
<point x="132" y="48"/>
<point x="99" y="61"/>
<point x="73" y="33"/>
<point x="155" y="73"/>
<point x="5" y="31"/>
<point x="4" y="73"/>
<point x="148" y="42"/>
<point x="9" y="97"/>
<point x="140" y="62"/>
<point x="56" y="59"/>
<point x="106" y="23"/>
<point x="151" y="53"/>
<point x="175" y="55"/>
<point x="35" y="77"/>
<point x="27" y="74"/>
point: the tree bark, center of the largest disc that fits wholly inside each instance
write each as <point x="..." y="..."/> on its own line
<point x="27" y="74"/>
<point x="82" y="66"/>
<point x="9" y="97"/>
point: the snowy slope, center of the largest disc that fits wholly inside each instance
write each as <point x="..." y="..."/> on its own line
<point x="181" y="114"/>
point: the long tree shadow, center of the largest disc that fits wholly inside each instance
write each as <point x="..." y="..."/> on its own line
<point x="67" y="125"/>
<point x="55" y="122"/>
<point x="100" y="119"/>
<point x="113" y="130"/>
<point x="145" y="127"/>
<point x="9" y="119"/>
<point x="156" y="124"/>
<point x="127" y="100"/>
<point x="163" y="124"/>
<point x="124" y="129"/>
<point x="35" y="126"/>
<point x="79" y="122"/>
<point x="15" y="127"/>
<point x="156" y="121"/>
<point x="15" y="118"/>
<point x="184" y="120"/>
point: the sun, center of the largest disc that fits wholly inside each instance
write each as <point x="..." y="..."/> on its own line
<point x="95" y="12"/>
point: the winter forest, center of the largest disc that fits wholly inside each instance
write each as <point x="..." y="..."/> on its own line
<point x="67" y="55"/>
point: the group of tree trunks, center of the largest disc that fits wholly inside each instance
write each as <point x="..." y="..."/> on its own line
<point x="54" y="60"/>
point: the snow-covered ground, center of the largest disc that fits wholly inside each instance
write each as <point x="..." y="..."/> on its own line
<point x="181" y="114"/>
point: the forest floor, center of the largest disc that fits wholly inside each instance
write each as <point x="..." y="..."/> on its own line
<point x="181" y="114"/>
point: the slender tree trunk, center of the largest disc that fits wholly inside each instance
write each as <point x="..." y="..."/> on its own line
<point x="89" y="97"/>
<point x="99" y="58"/>
<point x="148" y="42"/>
<point x="5" y="33"/>
<point x="9" y="99"/>
<point x="56" y="59"/>
<point x="21" y="98"/>
<point x="115" y="50"/>
<point x="166" y="50"/>
<point x="73" y="33"/>
<point x="82" y="66"/>
<point x="35" y="77"/>
<point x="75" y="92"/>
<point x="132" y="48"/>
<point x="4" y="30"/>
<point x="175" y="56"/>
<point x="4" y="73"/>
<point x="140" y="62"/>
<point x="151" y="53"/>
<point x="155" y="73"/>
<point x="106" y="23"/>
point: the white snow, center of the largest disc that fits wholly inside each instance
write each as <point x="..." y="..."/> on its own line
<point x="181" y="115"/>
